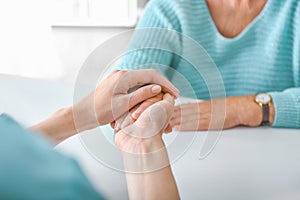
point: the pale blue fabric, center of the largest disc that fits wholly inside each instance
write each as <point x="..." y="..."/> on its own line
<point x="265" y="57"/>
<point x="31" y="169"/>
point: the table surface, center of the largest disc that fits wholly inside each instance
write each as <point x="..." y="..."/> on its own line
<point x="246" y="163"/>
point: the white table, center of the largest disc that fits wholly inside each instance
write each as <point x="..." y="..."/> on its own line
<point x="247" y="163"/>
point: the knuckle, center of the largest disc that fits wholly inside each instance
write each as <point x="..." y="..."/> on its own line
<point x="155" y="72"/>
<point x="146" y="91"/>
<point x="122" y="73"/>
<point x="133" y="98"/>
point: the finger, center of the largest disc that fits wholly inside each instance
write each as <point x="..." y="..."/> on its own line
<point x="112" y="124"/>
<point x="119" y="121"/>
<point x="187" y="126"/>
<point x="140" y="77"/>
<point x="175" y="120"/>
<point x="185" y="110"/>
<point x="191" y="122"/>
<point x="116" y="73"/>
<point x="188" y="117"/>
<point x="181" y="117"/>
<point x="178" y="114"/>
<point x="167" y="97"/>
<point x="168" y="129"/>
<point x="188" y="108"/>
<point x="120" y="139"/>
<point x="125" y="120"/>
<point x="142" y="94"/>
<point x="158" y="110"/>
<point x="140" y="109"/>
<point x="153" y="120"/>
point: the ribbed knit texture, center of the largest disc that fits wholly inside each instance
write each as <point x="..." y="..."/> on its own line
<point x="265" y="57"/>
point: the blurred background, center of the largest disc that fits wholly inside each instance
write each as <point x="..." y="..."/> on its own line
<point x="50" y="39"/>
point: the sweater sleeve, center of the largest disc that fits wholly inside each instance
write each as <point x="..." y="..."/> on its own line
<point x="31" y="169"/>
<point x="287" y="108"/>
<point x="155" y="39"/>
<point x="287" y="102"/>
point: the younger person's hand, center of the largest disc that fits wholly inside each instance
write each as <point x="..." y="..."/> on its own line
<point x="112" y="98"/>
<point x="131" y="116"/>
<point x="117" y="94"/>
<point x="146" y="162"/>
<point x="145" y="134"/>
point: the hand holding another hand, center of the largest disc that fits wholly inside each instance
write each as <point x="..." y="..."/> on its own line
<point x="109" y="101"/>
<point x="112" y="98"/>
<point x="144" y="134"/>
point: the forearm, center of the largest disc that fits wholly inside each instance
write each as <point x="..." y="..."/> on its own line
<point x="69" y="121"/>
<point x="149" y="175"/>
<point x="59" y="126"/>
<point x="152" y="185"/>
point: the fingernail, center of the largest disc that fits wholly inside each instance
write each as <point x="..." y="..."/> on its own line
<point x="156" y="89"/>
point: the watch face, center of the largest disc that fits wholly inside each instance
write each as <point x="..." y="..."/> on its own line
<point x="263" y="98"/>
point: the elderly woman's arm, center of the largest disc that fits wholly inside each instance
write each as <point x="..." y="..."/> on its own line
<point x="235" y="111"/>
<point x="286" y="108"/>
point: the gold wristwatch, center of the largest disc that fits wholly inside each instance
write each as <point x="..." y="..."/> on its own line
<point x="264" y="100"/>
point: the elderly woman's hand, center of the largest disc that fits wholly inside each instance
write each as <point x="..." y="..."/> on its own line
<point x="218" y="114"/>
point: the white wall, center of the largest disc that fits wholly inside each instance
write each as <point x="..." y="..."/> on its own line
<point x="30" y="47"/>
<point x="73" y="45"/>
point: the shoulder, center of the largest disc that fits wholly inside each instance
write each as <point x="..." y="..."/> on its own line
<point x="169" y="13"/>
<point x="173" y="4"/>
<point x="160" y="13"/>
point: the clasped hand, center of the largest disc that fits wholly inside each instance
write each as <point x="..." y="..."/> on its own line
<point x="120" y="92"/>
<point x="138" y="104"/>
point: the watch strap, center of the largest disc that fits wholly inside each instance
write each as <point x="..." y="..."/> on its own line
<point x="266" y="113"/>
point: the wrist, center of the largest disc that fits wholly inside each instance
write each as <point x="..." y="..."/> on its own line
<point x="135" y="145"/>
<point x="59" y="126"/>
<point x="152" y="144"/>
<point x="251" y="113"/>
<point x="148" y="156"/>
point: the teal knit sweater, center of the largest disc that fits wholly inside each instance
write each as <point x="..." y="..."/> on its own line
<point x="265" y="57"/>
